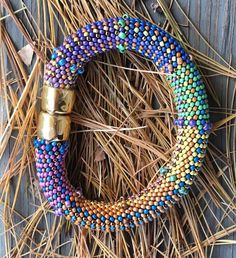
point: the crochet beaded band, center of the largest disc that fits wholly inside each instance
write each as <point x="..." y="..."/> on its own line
<point x="193" y="126"/>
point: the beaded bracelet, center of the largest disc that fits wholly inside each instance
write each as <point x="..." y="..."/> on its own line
<point x="193" y="126"/>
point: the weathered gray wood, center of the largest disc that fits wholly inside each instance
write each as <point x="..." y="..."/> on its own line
<point x="215" y="19"/>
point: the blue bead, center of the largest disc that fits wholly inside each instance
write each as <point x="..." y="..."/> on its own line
<point x="153" y="207"/>
<point x="128" y="216"/>
<point x="131" y="225"/>
<point x="137" y="214"/>
<point x="67" y="212"/>
<point x="80" y="70"/>
<point x="188" y="176"/>
<point x="181" y="184"/>
<point x="94" y="216"/>
<point x="145" y="211"/>
<point x="122" y="227"/>
<point x="201" y="133"/>
<point x="141" y="222"/>
<point x="200" y="140"/>
<point x="79" y="209"/>
<point x="86" y="213"/>
<point x="48" y="147"/>
<point x="168" y="197"/>
<point x="161" y="203"/>
<point x="54" y="55"/>
<point x="120" y="218"/>
<point x="73" y="67"/>
<point x="103" y="228"/>
<point x="62" y="62"/>
<point x="82" y="223"/>
<point x="112" y="219"/>
<point x="112" y="228"/>
<point x="102" y="218"/>
<point x="93" y="226"/>
<point x="198" y="150"/>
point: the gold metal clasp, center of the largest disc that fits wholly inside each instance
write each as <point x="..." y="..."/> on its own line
<point x="57" y="101"/>
<point x="53" y="127"/>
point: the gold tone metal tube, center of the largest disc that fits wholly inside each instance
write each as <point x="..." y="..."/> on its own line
<point x="57" y="101"/>
<point x="53" y="127"/>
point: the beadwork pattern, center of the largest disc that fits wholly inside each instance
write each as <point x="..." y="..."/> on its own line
<point x="67" y="62"/>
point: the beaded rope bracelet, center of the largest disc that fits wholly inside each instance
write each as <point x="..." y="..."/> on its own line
<point x="193" y="126"/>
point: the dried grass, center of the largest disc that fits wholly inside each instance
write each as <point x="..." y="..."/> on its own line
<point x="121" y="136"/>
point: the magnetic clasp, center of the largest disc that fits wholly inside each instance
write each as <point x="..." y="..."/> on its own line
<point x="57" y="101"/>
<point x="53" y="127"/>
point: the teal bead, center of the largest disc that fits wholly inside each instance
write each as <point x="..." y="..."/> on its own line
<point x="183" y="191"/>
<point x="172" y="178"/>
<point x="163" y="170"/>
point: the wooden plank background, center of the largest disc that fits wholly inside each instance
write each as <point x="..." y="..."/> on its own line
<point x="215" y="20"/>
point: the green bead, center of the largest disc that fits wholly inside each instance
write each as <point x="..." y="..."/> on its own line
<point x="122" y="35"/>
<point x="121" y="22"/>
<point x="136" y="30"/>
<point x="121" y="48"/>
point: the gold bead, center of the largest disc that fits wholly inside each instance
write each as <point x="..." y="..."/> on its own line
<point x="53" y="127"/>
<point x="57" y="101"/>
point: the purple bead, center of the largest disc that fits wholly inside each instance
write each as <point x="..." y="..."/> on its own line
<point x="192" y="122"/>
<point x="181" y="122"/>
<point x="207" y="126"/>
<point x="67" y="203"/>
